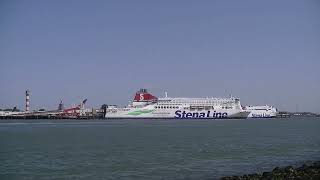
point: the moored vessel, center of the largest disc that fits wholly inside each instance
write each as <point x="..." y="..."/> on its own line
<point x="265" y="111"/>
<point x="145" y="105"/>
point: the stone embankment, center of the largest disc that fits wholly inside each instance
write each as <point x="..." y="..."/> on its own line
<point x="308" y="171"/>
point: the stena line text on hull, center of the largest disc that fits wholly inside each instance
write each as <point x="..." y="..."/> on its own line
<point x="205" y="115"/>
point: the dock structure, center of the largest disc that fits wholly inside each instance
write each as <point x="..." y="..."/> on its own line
<point x="74" y="112"/>
<point x="84" y="114"/>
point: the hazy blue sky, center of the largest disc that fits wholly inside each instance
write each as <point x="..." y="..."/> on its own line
<point x="265" y="52"/>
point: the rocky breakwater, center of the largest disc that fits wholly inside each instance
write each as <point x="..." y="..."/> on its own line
<point x="310" y="170"/>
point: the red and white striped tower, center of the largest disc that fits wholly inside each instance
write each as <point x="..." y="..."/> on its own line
<point x="27" y="100"/>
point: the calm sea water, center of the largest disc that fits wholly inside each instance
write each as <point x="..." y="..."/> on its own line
<point x="153" y="149"/>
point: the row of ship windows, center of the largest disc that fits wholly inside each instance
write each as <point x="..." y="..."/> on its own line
<point x="196" y="102"/>
<point x="224" y="106"/>
<point x="176" y="107"/>
<point x="166" y="107"/>
<point x="203" y="104"/>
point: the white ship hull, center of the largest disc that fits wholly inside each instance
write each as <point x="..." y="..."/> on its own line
<point x="174" y="113"/>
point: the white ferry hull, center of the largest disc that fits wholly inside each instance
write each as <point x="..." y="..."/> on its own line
<point x="140" y="113"/>
<point x="262" y="114"/>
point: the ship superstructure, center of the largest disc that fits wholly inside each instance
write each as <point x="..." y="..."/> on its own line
<point x="145" y="105"/>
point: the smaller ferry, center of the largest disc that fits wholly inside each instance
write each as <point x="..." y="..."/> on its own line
<point x="261" y="111"/>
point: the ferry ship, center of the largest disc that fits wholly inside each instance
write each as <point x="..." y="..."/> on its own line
<point x="145" y="105"/>
<point x="261" y="111"/>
